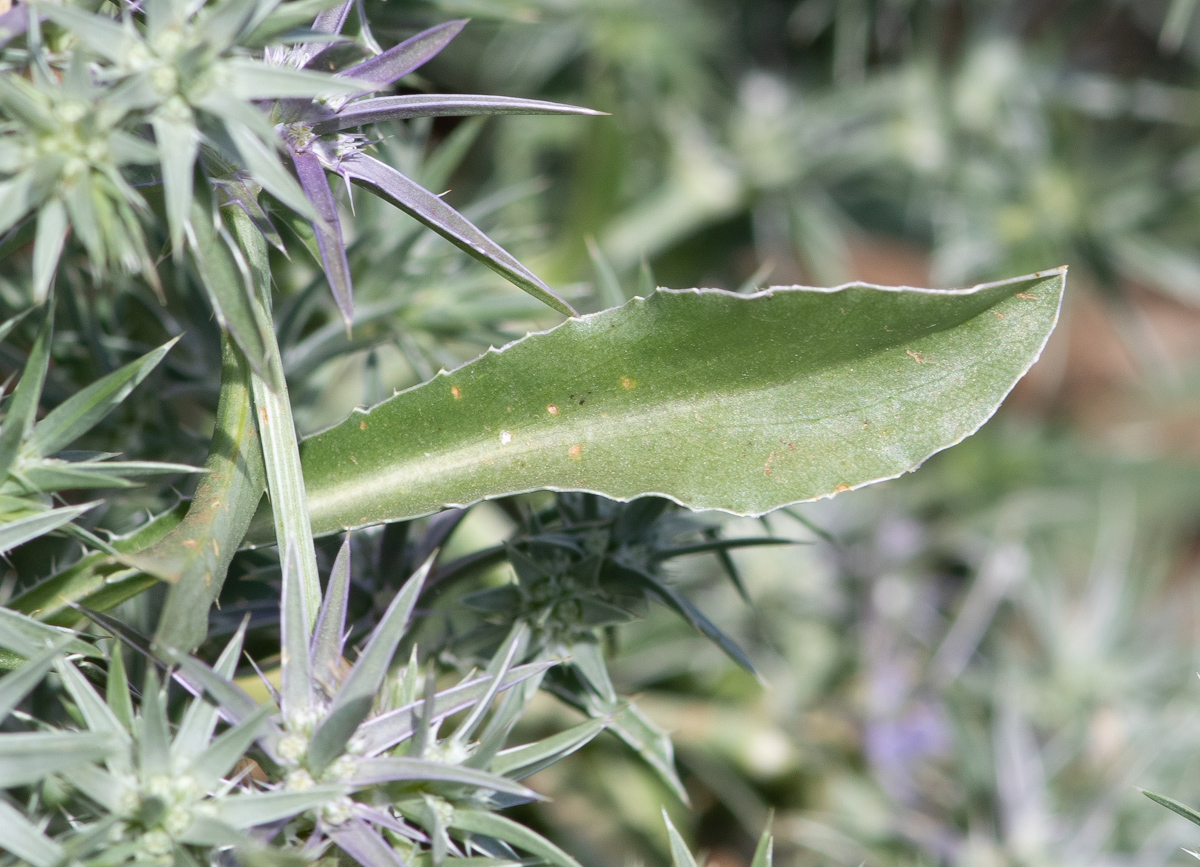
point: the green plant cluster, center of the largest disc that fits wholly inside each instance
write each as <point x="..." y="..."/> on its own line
<point x="236" y="628"/>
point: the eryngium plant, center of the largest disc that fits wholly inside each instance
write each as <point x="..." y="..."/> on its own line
<point x="163" y="146"/>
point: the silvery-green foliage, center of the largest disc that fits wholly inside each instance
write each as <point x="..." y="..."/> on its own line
<point x="367" y="744"/>
<point x="184" y="88"/>
<point x="34" y="465"/>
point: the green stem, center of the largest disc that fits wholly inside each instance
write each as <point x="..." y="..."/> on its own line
<point x="193" y="554"/>
<point x="280" y="446"/>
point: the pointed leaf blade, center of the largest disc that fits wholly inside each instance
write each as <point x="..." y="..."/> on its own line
<point x="14" y="533"/>
<point x="328" y="231"/>
<point x="428" y="209"/>
<point x="22" y="838"/>
<point x="399" y="60"/>
<point x="383" y="108"/>
<point x="84" y="410"/>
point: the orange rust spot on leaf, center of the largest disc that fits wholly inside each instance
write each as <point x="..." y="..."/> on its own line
<point x="576" y="452"/>
<point x="190" y="543"/>
<point x="456" y="391"/>
<point x="362" y="425"/>
<point x="841" y="488"/>
<point x="552" y="409"/>
<point x="997" y="314"/>
<point x="626" y="382"/>
<point x="1026" y="296"/>
<point x="917" y="357"/>
<point x="262" y="413"/>
<point x="767" y="465"/>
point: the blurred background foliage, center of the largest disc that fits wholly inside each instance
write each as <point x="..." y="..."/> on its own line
<point x="975" y="665"/>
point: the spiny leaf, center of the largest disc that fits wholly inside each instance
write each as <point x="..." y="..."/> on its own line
<point x="362" y="843"/>
<point x="523" y="761"/>
<point x="1174" y="806"/>
<point x="375" y="771"/>
<point x="14" y="533"/>
<point x="399" y="60"/>
<point x="251" y="80"/>
<point x="503" y="828"/>
<point x="47" y="246"/>
<point x="223" y="753"/>
<point x="85" y="409"/>
<point x="178" y="144"/>
<point x="386" y="730"/>
<point x="246" y="811"/>
<point x="328" y="231"/>
<point x="681" y="856"/>
<point x="22" y="407"/>
<point x="226" y="281"/>
<point x="427" y="208"/>
<point x="807" y="394"/>
<point x="23" y="839"/>
<point x="296" y="684"/>
<point x="27" y="758"/>
<point x="368" y="111"/>
<point x="353" y="701"/>
<point x="764" y="851"/>
<point x="15" y="685"/>
<point x="27" y="636"/>
<point x="329" y="635"/>
<point x="200" y="720"/>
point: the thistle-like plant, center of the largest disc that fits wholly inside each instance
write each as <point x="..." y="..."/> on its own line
<point x="198" y="79"/>
<point x="372" y="745"/>
<point x="34" y="467"/>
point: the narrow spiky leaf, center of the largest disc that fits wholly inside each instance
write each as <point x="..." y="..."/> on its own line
<point x="247" y="811"/>
<point x="409" y="55"/>
<point x="386" y="730"/>
<point x="47" y="246"/>
<point x="178" y="145"/>
<point x="371" y="667"/>
<point x="1174" y="806"/>
<point x="516" y="641"/>
<point x="383" y="108"/>
<point x="26" y="636"/>
<point x="523" y="761"/>
<point x="765" y="850"/>
<point x="372" y="772"/>
<point x="200" y="720"/>
<point x="85" y="409"/>
<point x="253" y="80"/>
<point x="329" y="635"/>
<point x="222" y="754"/>
<point x="28" y="757"/>
<point x="94" y="710"/>
<point x="15" y="685"/>
<point x="328" y="231"/>
<point x="23" y="839"/>
<point x="22" y="407"/>
<point x="225" y="281"/>
<point x="362" y="843"/>
<point x="154" y="733"/>
<point x="353" y="701"/>
<point x="503" y="828"/>
<point x="428" y="209"/>
<point x="681" y="856"/>
<point x="116" y="690"/>
<point x="14" y="533"/>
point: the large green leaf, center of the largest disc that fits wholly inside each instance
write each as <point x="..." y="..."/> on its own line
<point x="714" y="399"/>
